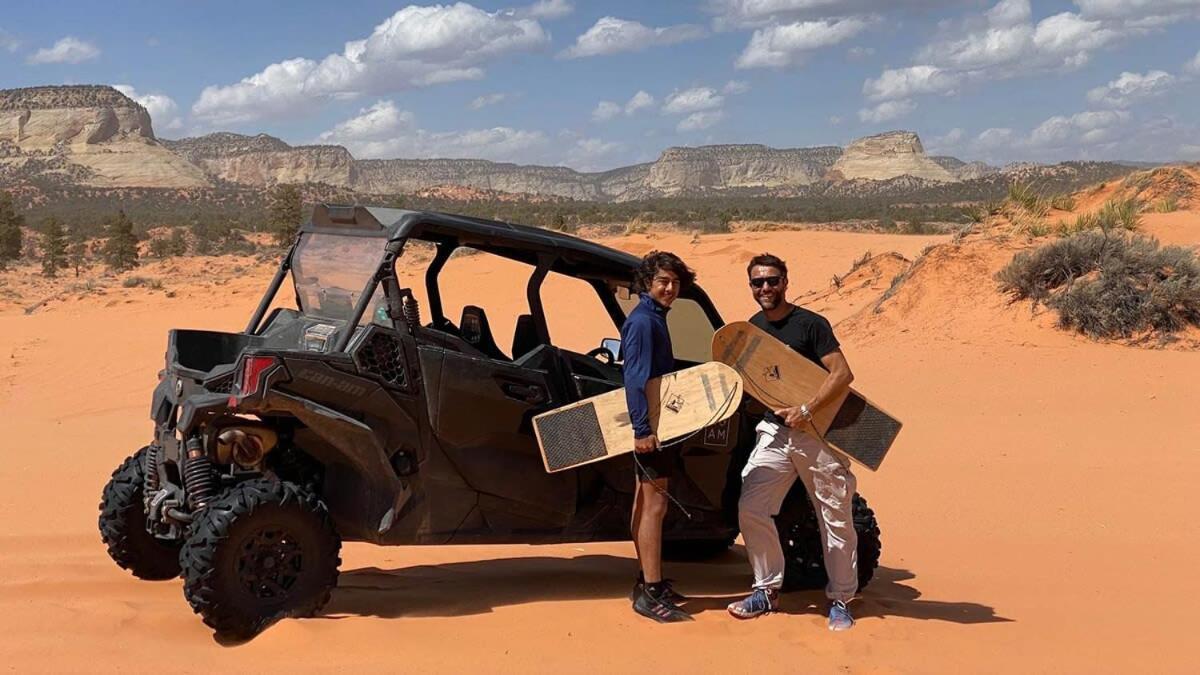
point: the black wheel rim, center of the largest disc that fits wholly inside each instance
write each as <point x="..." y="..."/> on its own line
<point x="270" y="564"/>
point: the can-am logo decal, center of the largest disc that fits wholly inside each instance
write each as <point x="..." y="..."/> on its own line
<point x="332" y="382"/>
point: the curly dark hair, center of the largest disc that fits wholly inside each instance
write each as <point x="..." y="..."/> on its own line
<point x="767" y="260"/>
<point x="661" y="260"/>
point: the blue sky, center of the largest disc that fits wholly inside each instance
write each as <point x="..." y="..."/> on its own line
<point x="594" y="85"/>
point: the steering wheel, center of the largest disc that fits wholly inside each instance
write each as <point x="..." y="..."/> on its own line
<point x="599" y="352"/>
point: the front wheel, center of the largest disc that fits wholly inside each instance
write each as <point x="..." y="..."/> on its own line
<point x="123" y="525"/>
<point x="264" y="550"/>
<point x="801" y="540"/>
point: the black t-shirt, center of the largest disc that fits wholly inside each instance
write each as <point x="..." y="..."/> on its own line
<point x="806" y="332"/>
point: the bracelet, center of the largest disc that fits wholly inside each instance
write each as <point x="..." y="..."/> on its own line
<point x="805" y="412"/>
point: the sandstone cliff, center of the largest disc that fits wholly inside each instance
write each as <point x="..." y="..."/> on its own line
<point x="888" y="155"/>
<point x="266" y="160"/>
<point x="716" y="167"/>
<point x="96" y="128"/>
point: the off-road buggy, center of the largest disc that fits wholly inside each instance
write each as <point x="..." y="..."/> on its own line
<point x="359" y="416"/>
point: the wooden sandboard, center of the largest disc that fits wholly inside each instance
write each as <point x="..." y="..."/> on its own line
<point x="597" y="428"/>
<point x="778" y="377"/>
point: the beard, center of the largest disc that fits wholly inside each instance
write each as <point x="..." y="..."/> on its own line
<point x="768" y="303"/>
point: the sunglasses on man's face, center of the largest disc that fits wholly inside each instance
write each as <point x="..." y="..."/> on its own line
<point x="769" y="281"/>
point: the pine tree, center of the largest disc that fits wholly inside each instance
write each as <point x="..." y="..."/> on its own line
<point x="77" y="251"/>
<point x="120" y="247"/>
<point x="54" y="247"/>
<point x="10" y="229"/>
<point x="286" y="210"/>
<point x="177" y="244"/>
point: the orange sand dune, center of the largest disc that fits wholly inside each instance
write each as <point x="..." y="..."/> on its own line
<point x="1036" y="510"/>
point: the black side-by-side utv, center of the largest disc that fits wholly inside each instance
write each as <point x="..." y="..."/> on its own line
<point x="357" y="415"/>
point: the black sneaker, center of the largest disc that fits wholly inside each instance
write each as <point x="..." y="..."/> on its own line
<point x="659" y="608"/>
<point x="668" y="591"/>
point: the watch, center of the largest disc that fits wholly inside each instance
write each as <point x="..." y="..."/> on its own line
<point x="805" y="412"/>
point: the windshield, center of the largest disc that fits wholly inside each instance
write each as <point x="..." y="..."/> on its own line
<point x="331" y="271"/>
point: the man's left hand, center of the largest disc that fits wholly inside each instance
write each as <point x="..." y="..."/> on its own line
<point x="792" y="417"/>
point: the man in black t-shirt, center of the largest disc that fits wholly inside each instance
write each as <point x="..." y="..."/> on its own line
<point x="788" y="448"/>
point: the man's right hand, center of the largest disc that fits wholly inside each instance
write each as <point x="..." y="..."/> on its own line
<point x="645" y="444"/>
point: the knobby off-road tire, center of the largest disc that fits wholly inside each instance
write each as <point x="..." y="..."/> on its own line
<point x="263" y="551"/>
<point x="801" y="540"/>
<point x="123" y="525"/>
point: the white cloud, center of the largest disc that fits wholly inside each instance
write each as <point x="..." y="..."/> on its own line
<point x="888" y="110"/>
<point x="381" y="121"/>
<point x="1158" y="10"/>
<point x="486" y="100"/>
<point x="605" y="110"/>
<point x="741" y="14"/>
<point x="735" y="87"/>
<point x="8" y="41"/>
<point x="639" y="101"/>
<point x="611" y="35"/>
<point x="547" y="9"/>
<point x="1085" y="128"/>
<point x="164" y="112"/>
<point x="1193" y="67"/>
<point x="591" y="154"/>
<point x="385" y="131"/>
<point x="778" y="46"/>
<point x="67" y="50"/>
<point x="692" y="100"/>
<point x="415" y="47"/>
<point x="700" y="120"/>
<point x="950" y="139"/>
<point x="1132" y="87"/>
<point x="906" y="82"/>
<point x="995" y="137"/>
<point x="1005" y="42"/>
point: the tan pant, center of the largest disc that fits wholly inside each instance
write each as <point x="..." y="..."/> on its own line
<point x="780" y="455"/>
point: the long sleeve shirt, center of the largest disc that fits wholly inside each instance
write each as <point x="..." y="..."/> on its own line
<point x="646" y="350"/>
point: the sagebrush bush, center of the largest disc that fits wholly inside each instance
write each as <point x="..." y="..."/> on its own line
<point x="1109" y="286"/>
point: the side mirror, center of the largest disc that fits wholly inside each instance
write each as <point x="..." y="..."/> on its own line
<point x="613" y="345"/>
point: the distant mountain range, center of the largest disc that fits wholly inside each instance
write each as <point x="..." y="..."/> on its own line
<point x="95" y="136"/>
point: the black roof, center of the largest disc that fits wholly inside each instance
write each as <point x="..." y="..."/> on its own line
<point x="574" y="256"/>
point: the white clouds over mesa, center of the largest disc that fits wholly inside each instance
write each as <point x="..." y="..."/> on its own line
<point x="888" y="110"/>
<point x="1130" y="88"/>
<point x="606" y="110"/>
<point x="384" y="131"/>
<point x="415" y="47"/>
<point x="611" y="35"/>
<point x="1006" y="41"/>
<point x="700" y="120"/>
<point x="783" y="45"/>
<point x="67" y="50"/>
<point x="164" y="112"/>
<point x="692" y="100"/>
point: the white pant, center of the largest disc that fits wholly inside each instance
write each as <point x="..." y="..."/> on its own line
<point x="780" y="455"/>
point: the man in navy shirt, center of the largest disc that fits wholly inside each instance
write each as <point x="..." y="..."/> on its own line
<point x="646" y="350"/>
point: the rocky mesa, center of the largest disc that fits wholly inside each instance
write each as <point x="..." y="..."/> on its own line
<point x="889" y="155"/>
<point x="105" y="136"/>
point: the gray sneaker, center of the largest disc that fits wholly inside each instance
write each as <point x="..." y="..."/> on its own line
<point x="839" y="616"/>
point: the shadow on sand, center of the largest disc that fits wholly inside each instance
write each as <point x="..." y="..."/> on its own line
<point x="475" y="587"/>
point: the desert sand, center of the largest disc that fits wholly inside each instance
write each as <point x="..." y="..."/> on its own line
<point x="1035" y="509"/>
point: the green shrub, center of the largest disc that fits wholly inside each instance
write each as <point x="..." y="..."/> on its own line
<point x="1123" y="213"/>
<point x="1063" y="202"/>
<point x="1168" y="204"/>
<point x="1109" y="286"/>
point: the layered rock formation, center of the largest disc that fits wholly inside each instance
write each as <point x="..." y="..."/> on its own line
<point x="716" y="167"/>
<point x="96" y="128"/>
<point x="888" y="155"/>
<point x="266" y="160"/>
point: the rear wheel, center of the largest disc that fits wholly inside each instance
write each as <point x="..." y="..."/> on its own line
<point x="801" y="540"/>
<point x="264" y="550"/>
<point x="123" y="525"/>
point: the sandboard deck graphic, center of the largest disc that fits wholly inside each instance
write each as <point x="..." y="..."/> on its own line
<point x="778" y="377"/>
<point x="597" y="428"/>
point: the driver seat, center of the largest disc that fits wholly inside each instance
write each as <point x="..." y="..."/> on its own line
<point x="477" y="332"/>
